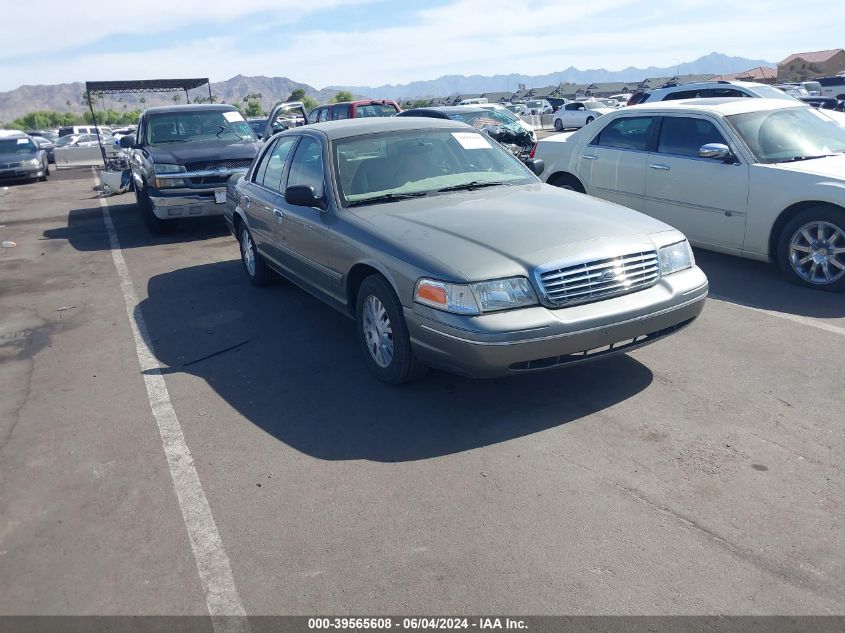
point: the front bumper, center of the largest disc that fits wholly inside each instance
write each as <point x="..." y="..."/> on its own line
<point x="19" y="173"/>
<point x="539" y="338"/>
<point x="182" y="203"/>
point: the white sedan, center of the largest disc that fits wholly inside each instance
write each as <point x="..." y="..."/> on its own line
<point x="757" y="178"/>
<point x="579" y="114"/>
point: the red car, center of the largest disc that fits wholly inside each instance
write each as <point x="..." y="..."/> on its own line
<point x="353" y="110"/>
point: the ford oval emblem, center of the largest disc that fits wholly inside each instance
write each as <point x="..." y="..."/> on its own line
<point x="608" y="275"/>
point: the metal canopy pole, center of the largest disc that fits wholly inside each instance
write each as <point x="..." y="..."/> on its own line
<point x="96" y="127"/>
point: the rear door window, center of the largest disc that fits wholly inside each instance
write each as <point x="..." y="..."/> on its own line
<point x="306" y="167"/>
<point x="375" y="109"/>
<point x="627" y="133"/>
<point x="272" y="176"/>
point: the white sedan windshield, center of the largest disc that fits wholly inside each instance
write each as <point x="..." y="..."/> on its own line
<point x="790" y="134"/>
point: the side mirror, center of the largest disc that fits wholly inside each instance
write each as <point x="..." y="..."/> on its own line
<point x="716" y="151"/>
<point x="127" y="142"/>
<point x="537" y="165"/>
<point x="304" y="196"/>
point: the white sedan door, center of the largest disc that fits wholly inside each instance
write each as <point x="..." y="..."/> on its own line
<point x="613" y="165"/>
<point x="705" y="198"/>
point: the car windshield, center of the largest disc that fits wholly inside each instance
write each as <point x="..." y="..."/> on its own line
<point x="789" y="134"/>
<point x="505" y="114"/>
<point x="375" y="109"/>
<point x="770" y="92"/>
<point x="180" y="127"/>
<point x="482" y="118"/>
<point x="258" y="125"/>
<point x="394" y="165"/>
<point x="66" y="140"/>
<point x="17" y="146"/>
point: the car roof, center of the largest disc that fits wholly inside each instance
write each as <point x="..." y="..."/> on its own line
<point x="12" y="134"/>
<point x="213" y="107"/>
<point x="724" y="106"/>
<point x="364" y="102"/>
<point x="710" y="84"/>
<point x="375" y="125"/>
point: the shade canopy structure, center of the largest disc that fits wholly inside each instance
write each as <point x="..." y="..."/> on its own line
<point x="137" y="86"/>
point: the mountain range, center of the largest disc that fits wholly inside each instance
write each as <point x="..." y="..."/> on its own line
<point x="68" y="97"/>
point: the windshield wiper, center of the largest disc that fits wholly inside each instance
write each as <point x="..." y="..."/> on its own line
<point x="474" y="184"/>
<point x="387" y="197"/>
<point x="795" y="159"/>
<point x="224" y="128"/>
<point x="172" y="140"/>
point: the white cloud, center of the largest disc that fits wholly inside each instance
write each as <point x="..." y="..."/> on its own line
<point x="464" y="37"/>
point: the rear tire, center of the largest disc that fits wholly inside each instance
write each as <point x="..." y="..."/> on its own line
<point x="559" y="125"/>
<point x="811" y="249"/>
<point x="256" y="269"/>
<point x="567" y="181"/>
<point x="383" y="334"/>
<point x="154" y="225"/>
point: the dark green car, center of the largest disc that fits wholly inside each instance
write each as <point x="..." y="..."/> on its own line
<point x="449" y="252"/>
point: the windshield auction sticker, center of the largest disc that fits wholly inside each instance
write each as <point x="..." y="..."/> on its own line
<point x="471" y="140"/>
<point x="233" y="117"/>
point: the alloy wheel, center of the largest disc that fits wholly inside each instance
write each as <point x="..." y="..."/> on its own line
<point x="248" y="252"/>
<point x="817" y="252"/>
<point x="378" y="332"/>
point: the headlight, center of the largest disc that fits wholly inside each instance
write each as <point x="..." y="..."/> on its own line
<point x="484" y="296"/>
<point x="503" y="294"/>
<point x="31" y="162"/>
<point x="166" y="168"/>
<point x="675" y="257"/>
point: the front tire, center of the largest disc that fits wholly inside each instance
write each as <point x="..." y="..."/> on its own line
<point x="46" y="171"/>
<point x="383" y="334"/>
<point x="559" y="125"/>
<point x="811" y="249"/>
<point x="154" y="225"/>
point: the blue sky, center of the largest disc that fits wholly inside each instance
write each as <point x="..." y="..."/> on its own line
<point x="372" y="42"/>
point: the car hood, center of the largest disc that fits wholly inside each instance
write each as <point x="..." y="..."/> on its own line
<point x="181" y="153"/>
<point x="504" y="231"/>
<point x="827" y="167"/>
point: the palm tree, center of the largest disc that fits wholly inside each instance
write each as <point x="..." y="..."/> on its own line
<point x="176" y="98"/>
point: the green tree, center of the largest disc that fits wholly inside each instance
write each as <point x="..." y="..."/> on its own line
<point x="420" y="103"/>
<point x="253" y="109"/>
<point x="297" y="95"/>
<point x="176" y="97"/>
<point x="309" y="102"/>
<point x="343" y="95"/>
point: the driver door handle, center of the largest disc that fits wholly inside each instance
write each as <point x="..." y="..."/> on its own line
<point x="589" y="157"/>
<point x="658" y="166"/>
<point x="279" y="215"/>
<point x="246" y="200"/>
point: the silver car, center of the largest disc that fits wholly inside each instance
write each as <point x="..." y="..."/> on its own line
<point x="449" y="252"/>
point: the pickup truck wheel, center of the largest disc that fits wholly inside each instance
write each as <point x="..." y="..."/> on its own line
<point x="258" y="272"/>
<point x="559" y="125"/>
<point x="154" y="225"/>
<point x="383" y="334"/>
<point x="811" y="249"/>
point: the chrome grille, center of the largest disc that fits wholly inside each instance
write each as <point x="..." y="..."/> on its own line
<point x="238" y="163"/>
<point x="599" y="279"/>
<point x="10" y="165"/>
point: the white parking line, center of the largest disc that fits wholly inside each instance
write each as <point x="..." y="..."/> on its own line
<point x="215" y="572"/>
<point x="820" y="325"/>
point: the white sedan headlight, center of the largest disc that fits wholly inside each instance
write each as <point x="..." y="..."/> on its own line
<point x="484" y="296"/>
<point x="31" y="162"/>
<point x="675" y="257"/>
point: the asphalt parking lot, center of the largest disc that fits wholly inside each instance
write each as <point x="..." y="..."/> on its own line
<point x="702" y="474"/>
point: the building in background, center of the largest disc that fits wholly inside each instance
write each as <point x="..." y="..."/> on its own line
<point x="811" y="65"/>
